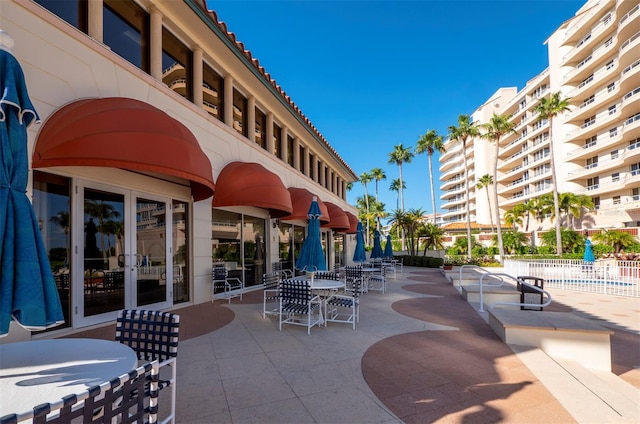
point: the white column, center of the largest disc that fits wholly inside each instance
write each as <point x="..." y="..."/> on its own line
<point x="155" y="53"/>
<point x="251" y="118"/>
<point x="94" y="12"/>
<point x="307" y="166"/>
<point x="284" y="146"/>
<point x="270" y="132"/>
<point x="197" y="76"/>
<point x="228" y="100"/>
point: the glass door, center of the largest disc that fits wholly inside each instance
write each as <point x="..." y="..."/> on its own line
<point x="121" y="253"/>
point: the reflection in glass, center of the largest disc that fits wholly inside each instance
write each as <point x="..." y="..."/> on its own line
<point x="104" y="225"/>
<point x="180" y="271"/>
<point x="51" y="200"/>
<point x="150" y="257"/>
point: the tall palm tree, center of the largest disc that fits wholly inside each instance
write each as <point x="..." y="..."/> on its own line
<point x="378" y="174"/>
<point x="498" y="126"/>
<point x="466" y="129"/>
<point x="366" y="178"/>
<point x="547" y="109"/>
<point x="400" y="155"/>
<point x="573" y="206"/>
<point x="484" y="182"/>
<point x="430" y="142"/>
<point x="395" y="186"/>
<point x="102" y="211"/>
<point x="514" y="216"/>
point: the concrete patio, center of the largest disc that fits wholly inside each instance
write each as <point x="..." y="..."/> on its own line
<point x="419" y="354"/>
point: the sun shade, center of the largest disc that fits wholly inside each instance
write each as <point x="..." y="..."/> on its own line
<point x="250" y="184"/>
<point x="123" y="133"/>
<point x="339" y="219"/>
<point x="301" y="199"/>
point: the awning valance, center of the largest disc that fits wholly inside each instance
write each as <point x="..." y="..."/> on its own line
<point x="250" y="184"/>
<point x="301" y="199"/>
<point x="353" y="221"/>
<point x="123" y="133"/>
<point x="339" y="220"/>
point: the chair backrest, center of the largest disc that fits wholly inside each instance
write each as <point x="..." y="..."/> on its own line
<point x="219" y="273"/>
<point x="353" y="277"/>
<point x="270" y="280"/>
<point x="295" y="291"/>
<point x="326" y="275"/>
<point x="153" y="335"/>
<point x="124" y="400"/>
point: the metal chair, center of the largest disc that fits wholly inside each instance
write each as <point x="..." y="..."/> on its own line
<point x="345" y="307"/>
<point x="130" y="398"/>
<point x="270" y="281"/>
<point x="378" y="280"/>
<point x="298" y="306"/>
<point x="153" y="335"/>
<point x="230" y="287"/>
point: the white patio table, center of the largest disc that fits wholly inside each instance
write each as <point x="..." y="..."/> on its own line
<point x="40" y="371"/>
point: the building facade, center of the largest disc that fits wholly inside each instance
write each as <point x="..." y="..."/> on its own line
<point x="164" y="149"/>
<point x="594" y="60"/>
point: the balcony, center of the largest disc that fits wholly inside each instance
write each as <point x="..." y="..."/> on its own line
<point x="630" y="101"/>
<point x="598" y="32"/>
<point x="631" y="126"/>
<point x="629" y="23"/>
<point x="628" y="48"/>
<point x="629" y="76"/>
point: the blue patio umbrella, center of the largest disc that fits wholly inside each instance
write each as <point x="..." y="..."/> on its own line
<point x="588" y="253"/>
<point x="359" y="255"/>
<point x="311" y="256"/>
<point x="376" y="252"/>
<point x="28" y="292"/>
<point x="388" y="248"/>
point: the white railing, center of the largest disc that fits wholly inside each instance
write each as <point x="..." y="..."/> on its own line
<point x="606" y="276"/>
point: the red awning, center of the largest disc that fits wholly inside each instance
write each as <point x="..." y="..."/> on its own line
<point x="353" y="221"/>
<point x="250" y="184"/>
<point x="123" y="133"/>
<point x="301" y="200"/>
<point x="339" y="219"/>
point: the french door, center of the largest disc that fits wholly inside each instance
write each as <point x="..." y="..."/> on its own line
<point x="122" y="248"/>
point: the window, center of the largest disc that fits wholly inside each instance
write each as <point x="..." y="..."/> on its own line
<point x="611" y="87"/>
<point x="312" y="169"/>
<point x="303" y="152"/>
<point x="592" y="162"/>
<point x="612" y="109"/>
<point x="588" y="100"/>
<point x="176" y="65"/>
<point x="610" y="64"/>
<point x="277" y="141"/>
<point x="593" y="183"/>
<point x="261" y="129"/>
<point x="126" y="31"/>
<point x="589" y="121"/>
<point x="613" y="132"/>
<point x="635" y="194"/>
<point x="614" y="154"/>
<point x="615" y="177"/>
<point x="596" y="202"/>
<point x="240" y="113"/>
<point x="608" y="42"/>
<point x="74" y="12"/>
<point x="635" y="169"/>
<point x="212" y="92"/>
<point x="606" y="19"/>
<point x="616" y="200"/>
<point x="591" y="141"/>
<point x="586" y="81"/>
<point x="290" y="143"/>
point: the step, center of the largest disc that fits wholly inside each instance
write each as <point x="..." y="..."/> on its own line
<point x="588" y="395"/>
<point x="561" y="335"/>
<point x="490" y="295"/>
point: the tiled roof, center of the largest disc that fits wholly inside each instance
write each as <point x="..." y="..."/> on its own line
<point x="256" y="63"/>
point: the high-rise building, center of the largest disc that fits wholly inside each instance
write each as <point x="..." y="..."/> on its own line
<point x="594" y="61"/>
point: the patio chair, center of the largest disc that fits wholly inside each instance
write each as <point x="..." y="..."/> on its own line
<point x="326" y="275"/>
<point x="153" y="335"/>
<point x="345" y="307"/>
<point x="378" y="280"/>
<point x="130" y="398"/>
<point x="351" y="274"/>
<point x="270" y="281"/>
<point x="298" y="306"/>
<point x="390" y="265"/>
<point x="230" y="287"/>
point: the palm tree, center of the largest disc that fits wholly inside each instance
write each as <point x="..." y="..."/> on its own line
<point x="378" y="212"/>
<point x="400" y="155"/>
<point x="414" y="222"/>
<point x="366" y="178"/>
<point x="433" y="236"/>
<point x="484" y="182"/>
<point x="430" y="142"/>
<point x="102" y="211"/>
<point x="616" y="238"/>
<point x="573" y="206"/>
<point x="349" y="185"/>
<point x="498" y="126"/>
<point x="513" y="217"/>
<point x="466" y="128"/>
<point x="547" y="109"/>
<point x="378" y="174"/>
<point x="395" y="186"/>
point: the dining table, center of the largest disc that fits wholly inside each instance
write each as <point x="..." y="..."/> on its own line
<point x="46" y="370"/>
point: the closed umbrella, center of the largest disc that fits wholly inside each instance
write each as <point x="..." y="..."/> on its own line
<point x="376" y="252"/>
<point x="588" y="256"/>
<point x="388" y="248"/>
<point x="28" y="292"/>
<point x="311" y="256"/>
<point x="359" y="255"/>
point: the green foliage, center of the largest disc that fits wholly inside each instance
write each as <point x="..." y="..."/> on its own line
<point x="572" y="241"/>
<point x="619" y="240"/>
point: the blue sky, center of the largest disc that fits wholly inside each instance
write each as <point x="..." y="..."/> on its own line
<point x="373" y="74"/>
